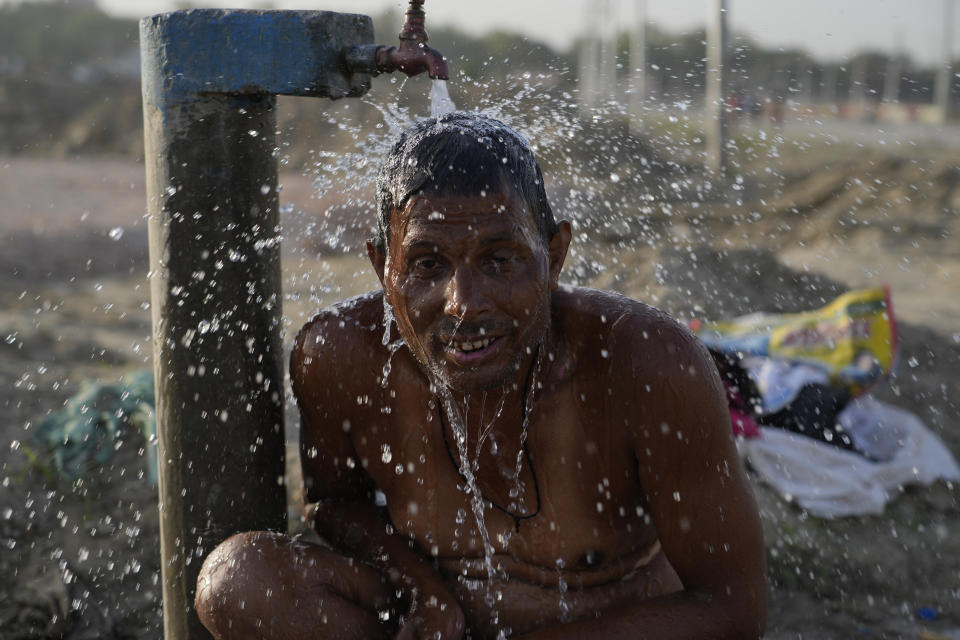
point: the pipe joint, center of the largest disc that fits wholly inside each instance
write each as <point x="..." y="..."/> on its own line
<point x="413" y="57"/>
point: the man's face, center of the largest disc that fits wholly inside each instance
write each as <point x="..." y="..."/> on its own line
<point x="469" y="280"/>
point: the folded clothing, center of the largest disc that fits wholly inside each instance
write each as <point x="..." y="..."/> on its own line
<point x="831" y="482"/>
<point x="814" y="411"/>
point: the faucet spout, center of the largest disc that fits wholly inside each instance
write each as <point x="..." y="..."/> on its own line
<point x="412" y="57"/>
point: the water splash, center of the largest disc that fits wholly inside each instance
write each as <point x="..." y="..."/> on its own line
<point x="486" y="431"/>
<point x="387" y="322"/>
<point x="458" y="424"/>
<point x="519" y="488"/>
<point x="440" y="102"/>
<point x="393" y="347"/>
<point x="562" y="588"/>
<point x="610" y="178"/>
<point x="469" y="466"/>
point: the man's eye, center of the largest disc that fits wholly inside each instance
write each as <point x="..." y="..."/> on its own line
<point x="501" y="261"/>
<point x="426" y="265"/>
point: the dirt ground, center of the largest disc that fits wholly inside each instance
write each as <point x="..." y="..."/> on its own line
<point x="82" y="561"/>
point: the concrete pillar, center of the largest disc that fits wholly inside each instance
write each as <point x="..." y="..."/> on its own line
<point x="210" y="78"/>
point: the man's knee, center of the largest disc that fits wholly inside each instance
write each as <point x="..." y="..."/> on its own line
<point x="261" y="585"/>
<point x="231" y="573"/>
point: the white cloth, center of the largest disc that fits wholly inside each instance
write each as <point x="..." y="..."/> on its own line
<point x="877" y="429"/>
<point x="779" y="381"/>
<point x="831" y="482"/>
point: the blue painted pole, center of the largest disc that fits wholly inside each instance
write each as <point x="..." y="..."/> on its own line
<point x="210" y="78"/>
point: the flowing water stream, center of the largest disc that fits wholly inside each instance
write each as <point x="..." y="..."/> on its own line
<point x="440" y="102"/>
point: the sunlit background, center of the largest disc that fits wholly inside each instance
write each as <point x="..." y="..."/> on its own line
<point x="827" y="30"/>
<point x="827" y="159"/>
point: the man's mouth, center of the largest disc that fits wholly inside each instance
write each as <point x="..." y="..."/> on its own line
<point x="474" y="350"/>
<point x="469" y="347"/>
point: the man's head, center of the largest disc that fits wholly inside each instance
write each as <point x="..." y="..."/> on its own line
<point x="460" y="154"/>
<point x="469" y="251"/>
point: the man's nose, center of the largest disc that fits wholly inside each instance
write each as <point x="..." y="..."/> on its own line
<point x="464" y="297"/>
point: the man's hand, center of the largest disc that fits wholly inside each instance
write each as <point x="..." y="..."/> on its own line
<point x="433" y="618"/>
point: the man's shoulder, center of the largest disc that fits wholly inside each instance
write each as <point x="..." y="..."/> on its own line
<point x="357" y="320"/>
<point x="623" y="331"/>
<point x="342" y="337"/>
<point x="607" y="314"/>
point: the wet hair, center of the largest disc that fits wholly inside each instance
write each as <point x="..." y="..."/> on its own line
<point x="460" y="154"/>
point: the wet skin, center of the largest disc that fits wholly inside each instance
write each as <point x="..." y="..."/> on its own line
<point x="633" y="517"/>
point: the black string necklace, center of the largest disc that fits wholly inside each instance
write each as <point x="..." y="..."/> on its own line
<point x="523" y="444"/>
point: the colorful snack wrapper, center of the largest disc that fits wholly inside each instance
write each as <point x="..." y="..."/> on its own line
<point x="853" y="339"/>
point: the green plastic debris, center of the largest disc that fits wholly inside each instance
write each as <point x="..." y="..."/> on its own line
<point x="85" y="431"/>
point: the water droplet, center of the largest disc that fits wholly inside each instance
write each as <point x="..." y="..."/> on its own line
<point x="116" y="233"/>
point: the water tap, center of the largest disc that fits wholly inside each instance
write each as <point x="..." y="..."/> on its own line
<point x="412" y="57"/>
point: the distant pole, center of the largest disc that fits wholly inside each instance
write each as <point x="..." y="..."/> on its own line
<point x="944" y="76"/>
<point x="828" y="85"/>
<point x="891" y="80"/>
<point x="589" y="63"/>
<point x="608" y="53"/>
<point x="715" y="125"/>
<point x="858" y="83"/>
<point x="807" y="85"/>
<point x="638" y="64"/>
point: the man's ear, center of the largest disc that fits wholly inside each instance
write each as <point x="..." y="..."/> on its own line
<point x="559" y="243"/>
<point x="378" y="258"/>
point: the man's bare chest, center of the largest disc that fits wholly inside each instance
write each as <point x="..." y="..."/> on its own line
<point x="570" y="496"/>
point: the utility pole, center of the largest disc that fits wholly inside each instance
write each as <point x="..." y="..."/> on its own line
<point x="858" y="85"/>
<point x="944" y="75"/>
<point x="828" y="86"/>
<point x="807" y="85"/>
<point x="589" y="63"/>
<point x="608" y="51"/>
<point x="638" y="64"/>
<point x="891" y="80"/>
<point x="715" y="122"/>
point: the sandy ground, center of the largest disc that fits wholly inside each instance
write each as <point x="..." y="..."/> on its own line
<point x="82" y="560"/>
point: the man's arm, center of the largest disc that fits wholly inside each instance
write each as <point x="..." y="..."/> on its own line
<point x="700" y="501"/>
<point x="338" y="494"/>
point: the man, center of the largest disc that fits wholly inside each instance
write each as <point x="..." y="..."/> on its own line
<point x="490" y="453"/>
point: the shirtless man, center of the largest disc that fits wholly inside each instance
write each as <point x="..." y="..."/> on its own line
<point x="532" y="459"/>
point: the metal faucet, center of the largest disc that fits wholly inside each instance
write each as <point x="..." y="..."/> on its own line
<point x="412" y="57"/>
